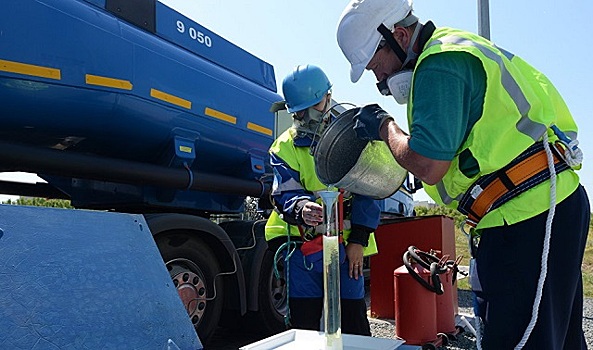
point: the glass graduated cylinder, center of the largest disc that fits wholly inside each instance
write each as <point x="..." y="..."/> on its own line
<point x="331" y="271"/>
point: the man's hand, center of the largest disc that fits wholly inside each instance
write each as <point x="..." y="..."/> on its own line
<point x="368" y="121"/>
<point x="354" y="252"/>
<point x="312" y="213"/>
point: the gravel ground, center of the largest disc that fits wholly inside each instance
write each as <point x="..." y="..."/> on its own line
<point x="385" y="328"/>
<point x="226" y="339"/>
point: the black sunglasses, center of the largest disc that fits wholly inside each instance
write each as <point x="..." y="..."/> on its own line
<point x="381" y="45"/>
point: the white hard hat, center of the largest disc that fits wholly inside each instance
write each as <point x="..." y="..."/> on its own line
<point x="357" y="29"/>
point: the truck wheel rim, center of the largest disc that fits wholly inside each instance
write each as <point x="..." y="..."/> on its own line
<point x="190" y="283"/>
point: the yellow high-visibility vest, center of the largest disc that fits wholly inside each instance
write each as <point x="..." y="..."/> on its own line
<point x="520" y="105"/>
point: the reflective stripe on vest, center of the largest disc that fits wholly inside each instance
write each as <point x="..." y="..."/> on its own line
<point x="525" y="125"/>
<point x="298" y="159"/>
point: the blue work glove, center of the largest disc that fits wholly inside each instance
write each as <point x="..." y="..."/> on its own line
<point x="368" y="121"/>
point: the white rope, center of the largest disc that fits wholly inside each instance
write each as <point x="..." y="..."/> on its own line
<point x="546" y="251"/>
<point x="468" y="324"/>
<point x="478" y="332"/>
<point x="573" y="154"/>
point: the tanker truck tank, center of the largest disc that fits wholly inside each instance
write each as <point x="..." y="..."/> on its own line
<point x="82" y="77"/>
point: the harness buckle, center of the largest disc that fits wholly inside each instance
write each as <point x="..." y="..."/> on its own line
<point x="307" y="233"/>
<point x="469" y="222"/>
<point x="476" y="191"/>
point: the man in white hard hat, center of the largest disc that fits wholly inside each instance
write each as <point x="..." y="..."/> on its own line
<point x="490" y="136"/>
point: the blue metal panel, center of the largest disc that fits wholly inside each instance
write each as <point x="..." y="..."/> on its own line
<point x="100" y="3"/>
<point x="85" y="280"/>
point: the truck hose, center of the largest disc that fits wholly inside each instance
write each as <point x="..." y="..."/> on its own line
<point x="290" y="247"/>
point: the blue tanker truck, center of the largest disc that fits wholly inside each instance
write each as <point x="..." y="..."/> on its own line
<point x="129" y="106"/>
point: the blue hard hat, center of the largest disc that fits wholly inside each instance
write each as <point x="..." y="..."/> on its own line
<point x="304" y="87"/>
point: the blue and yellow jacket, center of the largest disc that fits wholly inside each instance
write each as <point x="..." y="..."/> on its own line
<point x="295" y="180"/>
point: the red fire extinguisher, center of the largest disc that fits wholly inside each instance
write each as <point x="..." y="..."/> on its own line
<point x="424" y="305"/>
<point x="415" y="306"/>
<point x="446" y="273"/>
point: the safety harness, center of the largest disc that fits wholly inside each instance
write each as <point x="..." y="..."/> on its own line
<point x="491" y="191"/>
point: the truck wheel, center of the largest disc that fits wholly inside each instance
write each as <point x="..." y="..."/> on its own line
<point x="272" y="301"/>
<point x="193" y="268"/>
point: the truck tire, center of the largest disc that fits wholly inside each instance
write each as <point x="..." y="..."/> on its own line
<point x="272" y="298"/>
<point x="193" y="268"/>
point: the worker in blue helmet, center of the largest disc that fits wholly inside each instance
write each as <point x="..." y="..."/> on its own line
<point x="295" y="227"/>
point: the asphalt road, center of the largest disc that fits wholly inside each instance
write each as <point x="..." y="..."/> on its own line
<point x="225" y="339"/>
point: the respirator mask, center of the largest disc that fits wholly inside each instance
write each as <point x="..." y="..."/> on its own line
<point x="311" y="121"/>
<point x="399" y="83"/>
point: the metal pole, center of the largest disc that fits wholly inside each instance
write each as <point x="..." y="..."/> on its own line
<point x="483" y="19"/>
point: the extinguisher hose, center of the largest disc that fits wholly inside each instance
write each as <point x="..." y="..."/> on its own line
<point x="425" y="260"/>
<point x="436" y="286"/>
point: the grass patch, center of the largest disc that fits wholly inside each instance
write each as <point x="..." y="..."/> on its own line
<point x="461" y="248"/>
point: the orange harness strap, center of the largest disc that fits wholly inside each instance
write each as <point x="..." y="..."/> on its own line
<point x="490" y="191"/>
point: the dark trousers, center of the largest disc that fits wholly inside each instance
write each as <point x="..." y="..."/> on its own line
<point x="305" y="313"/>
<point x="509" y="265"/>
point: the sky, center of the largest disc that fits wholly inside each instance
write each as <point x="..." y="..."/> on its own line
<point x="552" y="36"/>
